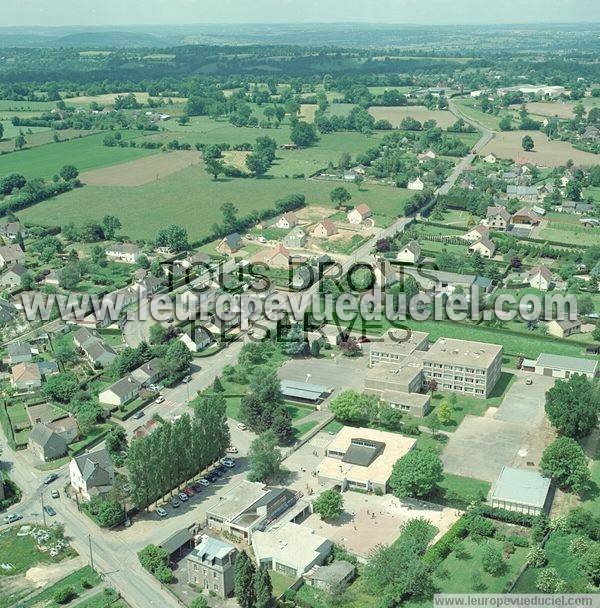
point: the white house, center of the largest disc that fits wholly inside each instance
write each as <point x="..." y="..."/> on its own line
<point x="490" y="158"/>
<point x="476" y="234"/>
<point x="410" y="253"/>
<point x="92" y="474"/>
<point x="359" y="214"/>
<point x="122" y="391"/>
<point x="126" y="253"/>
<point x="540" y="278"/>
<point x="484" y="247"/>
<point x="287" y="220"/>
<point x="416" y="184"/>
<point x="196" y="339"/>
<point x="429" y="155"/>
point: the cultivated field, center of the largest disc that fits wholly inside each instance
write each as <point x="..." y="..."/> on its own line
<point x="540" y="108"/>
<point x="142" y="170"/>
<point x="108" y="99"/>
<point x="39" y="137"/>
<point x="307" y="111"/>
<point x="396" y="114"/>
<point x="193" y="199"/>
<point x="85" y="153"/>
<point x="507" y="144"/>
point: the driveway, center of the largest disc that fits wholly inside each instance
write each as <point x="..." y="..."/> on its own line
<point x="524" y="403"/>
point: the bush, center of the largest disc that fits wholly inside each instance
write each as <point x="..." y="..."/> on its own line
<point x="65" y="595"/>
<point x="443" y="547"/>
<point x="537" y="558"/>
<point x="480" y="527"/>
<point x="509" y="517"/>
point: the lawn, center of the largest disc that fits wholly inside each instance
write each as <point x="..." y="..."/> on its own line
<point x="80" y="580"/>
<point x="193" y="199"/>
<point x="559" y="557"/>
<point x="85" y="153"/>
<point x="95" y="435"/>
<point x="463" y="489"/>
<point x="22" y="552"/>
<point x="106" y="598"/>
<point x="280" y="582"/>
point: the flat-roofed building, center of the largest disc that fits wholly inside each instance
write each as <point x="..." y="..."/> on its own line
<point x="521" y="490"/>
<point x="559" y="366"/>
<point x="397" y="345"/>
<point x="303" y="391"/>
<point x="406" y="376"/>
<point x="290" y="549"/>
<point x="414" y="404"/>
<point x="362" y="458"/>
<point x="248" y="507"/>
<point x="463" y="366"/>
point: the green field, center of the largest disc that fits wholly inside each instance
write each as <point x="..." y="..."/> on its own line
<point x="85" y="153"/>
<point x="193" y="199"/>
<point x="11" y="131"/>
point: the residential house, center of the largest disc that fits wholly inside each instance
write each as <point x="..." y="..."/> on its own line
<point x="331" y="578"/>
<point x="591" y="133"/>
<point x="46" y="444"/>
<point x="211" y="566"/>
<point x="12" y="277"/>
<point x="490" y="158"/>
<point x="497" y="218"/>
<point x="484" y="247"/>
<point x="359" y="214"/>
<point x="287" y="221"/>
<point x="540" y="278"/>
<point x="564" y="328"/>
<point x="19" y="352"/>
<point x="476" y="234"/>
<point x="52" y="278"/>
<point x="147" y="373"/>
<point x="325" y="228"/>
<point x="96" y="350"/>
<point x="429" y="155"/>
<point x="120" y="392"/>
<point x="410" y="253"/>
<point x="525" y="216"/>
<point x="65" y="427"/>
<point x="523" y="193"/>
<point x="296" y="239"/>
<point x="92" y="473"/>
<point x="13" y="230"/>
<point x="11" y="255"/>
<point x="26" y="376"/>
<point x="416" y="184"/>
<point x="278" y="258"/>
<point x="48" y="368"/>
<point x="196" y="338"/>
<point x="230" y="244"/>
<point x="126" y="253"/>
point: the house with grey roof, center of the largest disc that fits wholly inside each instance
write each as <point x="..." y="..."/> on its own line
<point x="560" y="366"/>
<point x="295" y="239"/>
<point x="230" y="244"/>
<point x="19" y="352"/>
<point x="497" y="218"/>
<point x="92" y="473"/>
<point x="46" y="444"/>
<point x="12" y="277"/>
<point x="563" y="328"/>
<point x="147" y="373"/>
<point x="125" y="253"/>
<point x="95" y="349"/>
<point x="332" y="577"/>
<point x="523" y="193"/>
<point x="11" y="255"/>
<point x="13" y="230"/>
<point x="120" y="392"/>
<point x="211" y="566"/>
<point x="521" y="490"/>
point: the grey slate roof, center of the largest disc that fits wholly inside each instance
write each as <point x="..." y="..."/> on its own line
<point x="176" y="540"/>
<point x="18" y="349"/>
<point x="334" y="573"/>
<point x="211" y="548"/>
<point x="95" y="467"/>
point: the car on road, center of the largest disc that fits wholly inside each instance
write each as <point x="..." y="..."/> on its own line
<point x="12" y="518"/>
<point x="175" y="503"/>
<point x="241" y="426"/>
<point x="138" y="415"/>
<point x="203" y="482"/>
<point x="183" y="497"/>
<point x="49" y="511"/>
<point x="153" y="388"/>
<point x="161" y="512"/>
<point x="50" y="478"/>
<point x="159" y="399"/>
<point x="186" y="379"/>
<point x="529" y="382"/>
<point x="232" y="450"/>
<point x="55" y="494"/>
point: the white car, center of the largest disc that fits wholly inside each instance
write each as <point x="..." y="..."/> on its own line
<point x="159" y="399"/>
<point x="232" y="450"/>
<point x="183" y="497"/>
<point x="13" y="517"/>
<point x="228" y="462"/>
<point x="241" y="426"/>
<point x="161" y="512"/>
<point x="204" y="482"/>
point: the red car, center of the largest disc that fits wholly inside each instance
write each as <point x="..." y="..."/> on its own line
<point x="189" y="491"/>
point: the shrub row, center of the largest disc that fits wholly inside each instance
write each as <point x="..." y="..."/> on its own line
<point x="443" y="547"/>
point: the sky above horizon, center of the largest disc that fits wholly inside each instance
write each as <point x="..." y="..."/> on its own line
<point x="176" y="12"/>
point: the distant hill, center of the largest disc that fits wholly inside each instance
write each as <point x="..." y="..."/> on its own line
<point x="111" y="39"/>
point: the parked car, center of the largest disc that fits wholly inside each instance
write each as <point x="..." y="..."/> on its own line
<point x="232" y="450"/>
<point x="12" y="517"/>
<point x="186" y="379"/>
<point x="138" y="415"/>
<point x="161" y="512"/>
<point x="159" y="399"/>
<point x="175" y="503"/>
<point x="529" y="381"/>
<point x="183" y="497"/>
<point x="55" y="494"/>
<point x="203" y="482"/>
<point x="49" y="511"/>
<point x="50" y="478"/>
<point x="189" y="491"/>
<point x="212" y="477"/>
<point x="153" y="388"/>
<point x="228" y="462"/>
<point x="241" y="426"/>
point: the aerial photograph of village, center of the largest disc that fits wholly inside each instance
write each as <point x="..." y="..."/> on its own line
<point x="299" y="303"/>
